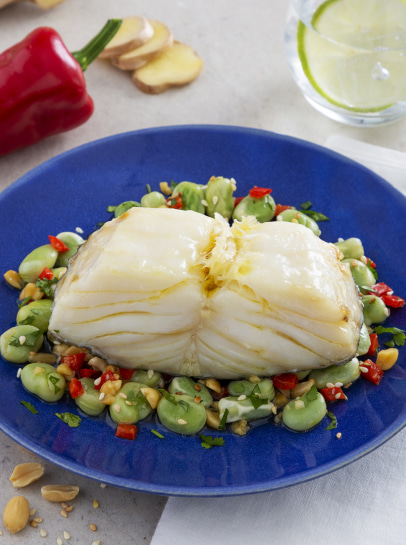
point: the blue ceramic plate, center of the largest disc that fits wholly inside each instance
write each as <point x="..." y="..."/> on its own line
<point x="74" y="189"/>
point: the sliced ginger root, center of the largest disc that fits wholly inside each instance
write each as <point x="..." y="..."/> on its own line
<point x="161" y="40"/>
<point x="177" y="66"/>
<point x="133" y="32"/>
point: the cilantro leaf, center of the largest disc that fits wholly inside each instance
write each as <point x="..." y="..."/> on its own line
<point x="73" y="420"/>
<point x="30" y="407"/>
<point x="317" y="216"/>
<point x="257" y="401"/>
<point x="398" y="335"/>
<point x="46" y="285"/>
<point x="54" y="381"/>
<point x="208" y="441"/>
<point x="185" y="406"/>
<point x="111" y="209"/>
<point x="312" y="394"/>
<point x="333" y="423"/>
<point x="223" y="420"/>
<point x="24" y="302"/>
<point x="167" y="395"/>
<point x="28" y="320"/>
<point x="29" y="339"/>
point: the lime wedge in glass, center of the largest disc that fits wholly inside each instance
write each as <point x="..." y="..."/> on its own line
<point x="354" y="53"/>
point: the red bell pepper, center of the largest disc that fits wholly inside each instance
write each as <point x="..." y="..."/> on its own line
<point x="75" y="388"/>
<point x="371" y="371"/>
<point x="374" y="346"/>
<point x="57" y="244"/>
<point x="46" y="274"/>
<point x="333" y="394"/>
<point x="281" y="208"/>
<point x="259" y="192"/>
<point x="127" y="431"/>
<point x="126" y="374"/>
<point x="107" y="375"/>
<point x="75" y="361"/>
<point x="285" y="381"/>
<point x="42" y="87"/>
<point x="393" y="301"/>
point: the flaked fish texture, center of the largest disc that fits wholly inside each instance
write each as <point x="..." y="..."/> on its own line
<point x="182" y="293"/>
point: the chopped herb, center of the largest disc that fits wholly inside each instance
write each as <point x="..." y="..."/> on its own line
<point x="223" y="421"/>
<point x="317" y="216"/>
<point x="45" y="285"/>
<point x="312" y="394"/>
<point x="157" y="434"/>
<point x="30" y="339"/>
<point x="208" y="441"/>
<point x="73" y="420"/>
<point x="257" y="401"/>
<point x="24" y="302"/>
<point x="30" y="407"/>
<point x="30" y="318"/>
<point x="111" y="209"/>
<point x="55" y="381"/>
<point x="148" y="187"/>
<point x="167" y="395"/>
<point x="184" y="405"/>
<point x="373" y="271"/>
<point x="333" y="423"/>
<point x="398" y="335"/>
<point x="173" y="184"/>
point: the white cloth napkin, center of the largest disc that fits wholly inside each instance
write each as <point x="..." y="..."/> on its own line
<point x="363" y="503"/>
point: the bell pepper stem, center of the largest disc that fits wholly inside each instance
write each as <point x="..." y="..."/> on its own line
<point x="92" y="50"/>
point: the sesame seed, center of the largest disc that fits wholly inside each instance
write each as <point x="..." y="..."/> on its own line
<point x="42" y="533"/>
<point x="101" y="396"/>
<point x="33" y="523"/>
<point x="204" y="202"/>
<point x="299" y="404"/>
<point x="95" y="504"/>
<point x="339" y="435"/>
<point x="97" y="381"/>
<point x="274" y="409"/>
<point x="64" y="513"/>
<point x="198" y="399"/>
<point x="129" y="403"/>
<point x="117" y="408"/>
<point x="338" y="384"/>
<point x="337" y="396"/>
<point x="69" y="508"/>
<point x="215" y="199"/>
<point x="38" y="519"/>
<point x="197" y="387"/>
<point x="19" y="372"/>
<point x="22" y="339"/>
<point x="122" y="395"/>
<point x="32" y="512"/>
<point x="93" y="527"/>
<point x="242" y="397"/>
<point x="363" y="369"/>
<point x="150" y="373"/>
<point x="79" y="230"/>
<point x="103" y="485"/>
<point x="95" y="542"/>
<point x="329" y="385"/>
<point x="64" y="505"/>
<point x="181" y="422"/>
<point x="59" y="541"/>
<point x="66" y="536"/>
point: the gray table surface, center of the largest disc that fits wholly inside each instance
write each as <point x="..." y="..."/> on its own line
<point x="245" y="82"/>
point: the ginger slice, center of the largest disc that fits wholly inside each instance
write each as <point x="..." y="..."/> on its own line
<point x="161" y="40"/>
<point x="133" y="32"/>
<point x="178" y="65"/>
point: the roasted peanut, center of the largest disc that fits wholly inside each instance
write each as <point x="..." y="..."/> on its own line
<point x="25" y="474"/>
<point x="59" y="492"/>
<point x="16" y="514"/>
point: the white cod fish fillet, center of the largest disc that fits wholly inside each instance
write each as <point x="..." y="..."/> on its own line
<point x="185" y="294"/>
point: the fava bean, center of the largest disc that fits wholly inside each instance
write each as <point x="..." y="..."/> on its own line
<point x="264" y="388"/>
<point x="263" y="208"/>
<point x="192" y="196"/>
<point x="351" y="248"/>
<point x="89" y="401"/>
<point x="295" y="216"/>
<point x="345" y="374"/>
<point x="154" y="199"/>
<point x="360" y="272"/>
<point x="17" y="342"/>
<point x="364" y="341"/>
<point x="181" y="414"/>
<point x="242" y="408"/>
<point x="35" y="262"/>
<point x="72" y="241"/>
<point x="42" y="380"/>
<point x="123" y="207"/>
<point x="147" y="378"/>
<point x="306" y="412"/>
<point x="37" y="314"/>
<point x="219" y="196"/>
<point x="375" y="310"/>
<point x="187" y="386"/>
<point x="130" y="404"/>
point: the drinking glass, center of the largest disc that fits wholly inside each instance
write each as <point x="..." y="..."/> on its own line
<point x="349" y="58"/>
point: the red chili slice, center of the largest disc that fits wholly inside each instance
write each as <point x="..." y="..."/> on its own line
<point x="108" y="375"/>
<point x="88" y="373"/>
<point x="126" y="374"/>
<point x="280" y="208"/>
<point x="75" y="388"/>
<point x="285" y="381"/>
<point x="175" y="201"/>
<point x="127" y="431"/>
<point x="333" y="394"/>
<point x="259" y="192"/>
<point x="58" y="244"/>
<point x="371" y="263"/>
<point x="46" y="274"/>
<point x="373" y="348"/>
<point x="371" y="371"/>
<point x="75" y="361"/>
<point x="393" y="301"/>
<point x="381" y="289"/>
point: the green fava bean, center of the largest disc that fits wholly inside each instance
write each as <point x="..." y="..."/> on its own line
<point x="242" y="407"/>
<point x="375" y="310"/>
<point x="44" y="381"/>
<point x="264" y="388"/>
<point x="306" y="412"/>
<point x="72" y="241"/>
<point x="89" y="401"/>
<point x="192" y="196"/>
<point x="147" y="378"/>
<point x="35" y="262"/>
<point x="345" y="374"/>
<point x="123" y="207"/>
<point x="364" y="341"/>
<point x="219" y="197"/>
<point x="123" y="413"/>
<point x="17" y="342"/>
<point x="302" y="374"/>
<point x="187" y="386"/>
<point x="181" y="414"/>
<point x="154" y="199"/>
<point x="263" y="209"/>
<point x="296" y="216"/>
<point x="37" y="314"/>
<point x="360" y="272"/>
<point x="351" y="248"/>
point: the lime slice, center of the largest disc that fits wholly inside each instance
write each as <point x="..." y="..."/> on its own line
<point x="354" y="53"/>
